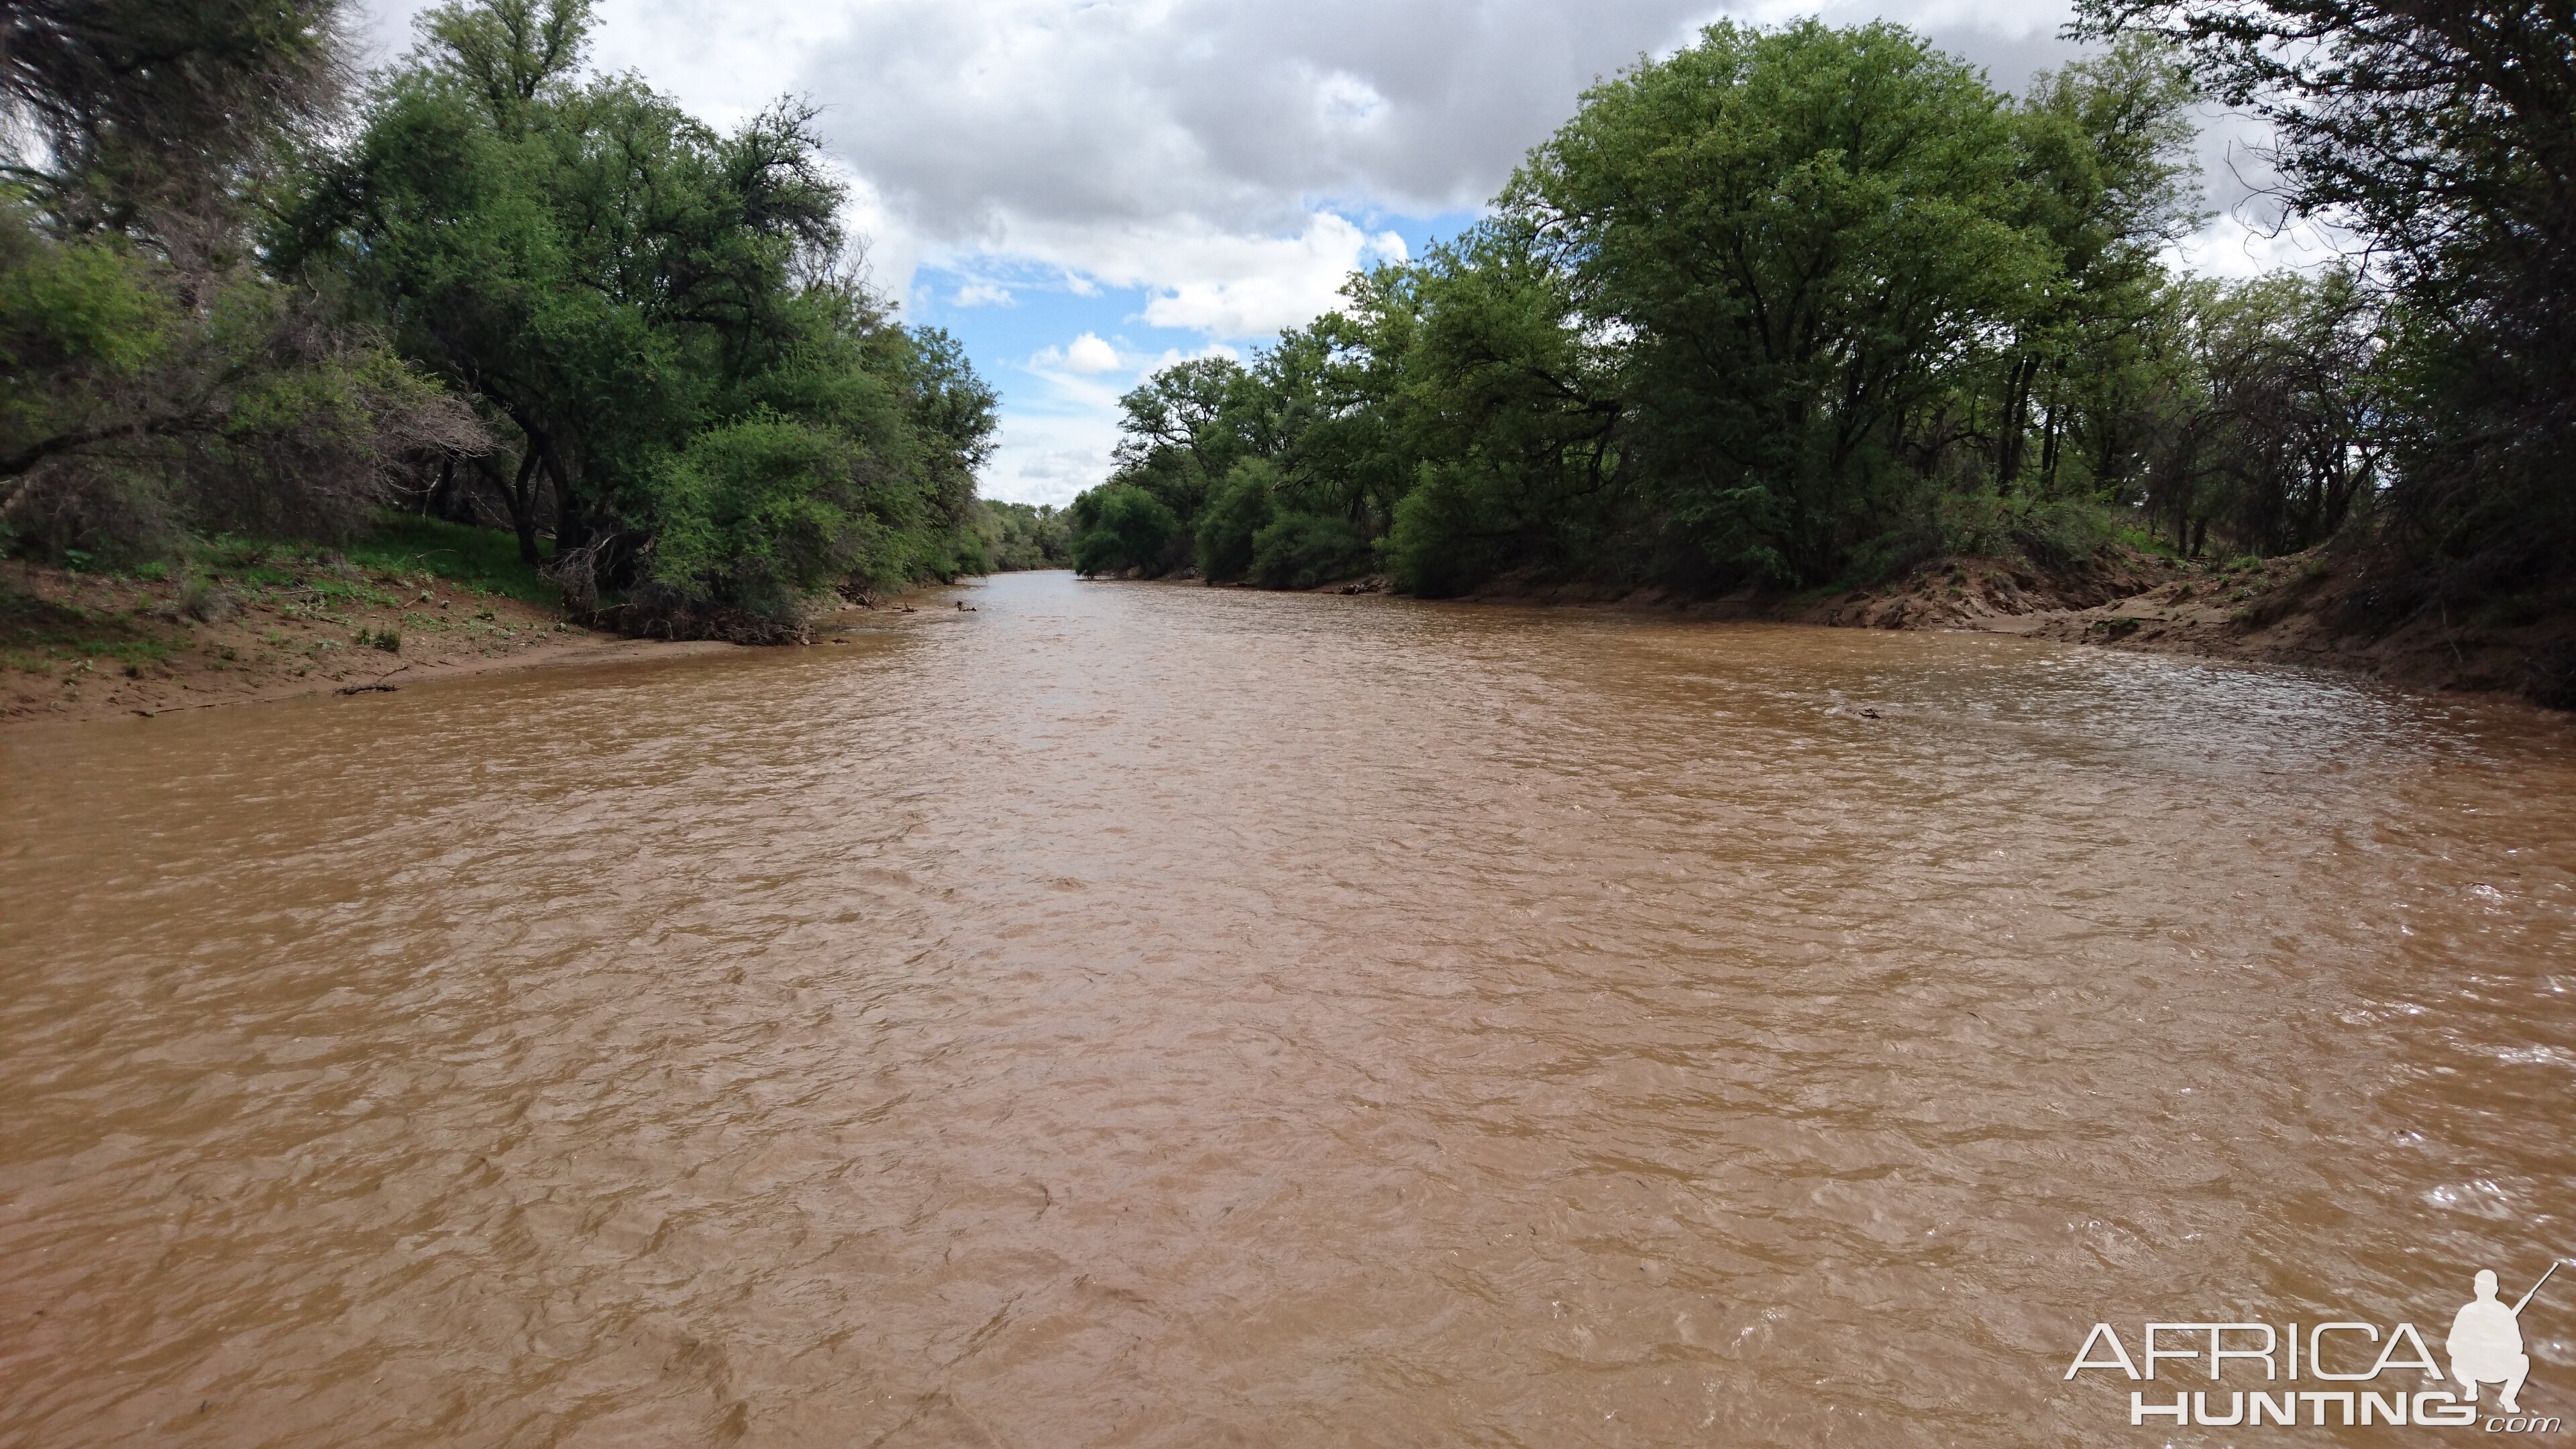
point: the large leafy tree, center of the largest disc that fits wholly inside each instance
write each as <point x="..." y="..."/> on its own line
<point x="2107" y="180"/>
<point x="1187" y="426"/>
<point x="2275" y="437"/>
<point x="1791" y="305"/>
<point x="697" y="396"/>
<point x="1511" y="411"/>
<point x="1798" y="236"/>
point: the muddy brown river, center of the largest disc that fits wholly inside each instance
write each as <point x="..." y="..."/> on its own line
<point x="1153" y="1015"/>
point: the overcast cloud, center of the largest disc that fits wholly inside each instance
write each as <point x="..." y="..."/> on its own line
<point x="1084" y="191"/>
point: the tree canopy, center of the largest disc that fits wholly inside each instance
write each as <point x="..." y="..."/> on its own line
<point x="1801" y="305"/>
<point x="2443" y="137"/>
<point x="1792" y="304"/>
<point x="238" y="291"/>
<point x="154" y="379"/>
<point x="696" y="396"/>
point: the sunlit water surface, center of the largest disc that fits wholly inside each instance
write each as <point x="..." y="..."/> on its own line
<point x="1154" y="1015"/>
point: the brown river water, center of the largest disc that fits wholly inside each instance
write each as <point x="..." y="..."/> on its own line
<point x="1153" y="1015"/>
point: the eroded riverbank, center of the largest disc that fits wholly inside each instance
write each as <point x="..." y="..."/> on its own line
<point x="1181" y="1017"/>
<point x="2312" y="610"/>
<point x="84" y="647"/>
<point x="98" y="646"/>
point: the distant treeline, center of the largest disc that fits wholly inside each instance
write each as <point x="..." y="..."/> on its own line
<point x="241" y="289"/>
<point x="1805" y="305"/>
<point x="1024" y="535"/>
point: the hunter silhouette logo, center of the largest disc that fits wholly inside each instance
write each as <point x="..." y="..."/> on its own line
<point x="2346" y="1358"/>
<point x="2486" y="1342"/>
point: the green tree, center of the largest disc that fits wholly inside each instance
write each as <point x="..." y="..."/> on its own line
<point x="153" y="381"/>
<point x="1792" y="305"/>
<point x="1242" y="507"/>
<point x="142" y="116"/>
<point x="2277" y="441"/>
<point x="696" y="398"/>
<point x="1186" y="427"/>
<point x="1303" y="550"/>
<point x="1121" y="528"/>
<point x="1798" y="237"/>
<point x="2442" y="136"/>
<point x="1024" y="535"/>
<point x="2109" y="182"/>
<point x="1513" y="417"/>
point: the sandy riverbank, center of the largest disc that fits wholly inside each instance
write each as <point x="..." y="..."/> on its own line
<point x="93" y="646"/>
<point x="2307" y="609"/>
<point x="88" y="646"/>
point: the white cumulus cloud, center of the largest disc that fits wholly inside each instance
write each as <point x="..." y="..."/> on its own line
<point x="1250" y="287"/>
<point x="1086" y="355"/>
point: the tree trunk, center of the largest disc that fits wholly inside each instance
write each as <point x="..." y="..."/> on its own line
<point x="522" y="496"/>
<point x="2014" y="429"/>
<point x="2050" y="418"/>
<point x="570" y="532"/>
<point x="440" y="502"/>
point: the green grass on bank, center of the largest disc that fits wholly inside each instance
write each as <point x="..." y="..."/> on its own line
<point x="37" y="635"/>
<point x="481" y="558"/>
<point x="403" y="549"/>
<point x="404" y="553"/>
<point x="207" y="578"/>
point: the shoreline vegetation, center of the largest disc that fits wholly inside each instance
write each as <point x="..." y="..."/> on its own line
<point x="2288" y="610"/>
<point x="1799" y="321"/>
<point x="89" y="647"/>
<point x="283" y="623"/>
<point x="1807" y="321"/>
<point x="242" y="622"/>
<point x="247" y="293"/>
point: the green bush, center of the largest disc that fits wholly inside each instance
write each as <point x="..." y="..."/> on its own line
<point x="2050" y="531"/>
<point x="205" y="600"/>
<point x="1119" y="528"/>
<point x="1240" y="510"/>
<point x="1450" y="534"/>
<point x="760" y="515"/>
<point x="1302" y="550"/>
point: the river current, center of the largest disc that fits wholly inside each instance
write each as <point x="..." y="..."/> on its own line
<point x="1155" y="1015"/>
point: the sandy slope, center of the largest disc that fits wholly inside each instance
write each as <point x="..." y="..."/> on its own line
<point x="2307" y="609"/>
<point x="76" y="646"/>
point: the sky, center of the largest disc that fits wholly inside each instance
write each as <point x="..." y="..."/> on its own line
<point x="1082" y="191"/>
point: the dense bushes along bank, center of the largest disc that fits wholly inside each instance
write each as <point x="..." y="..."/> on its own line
<point x="1809" y="304"/>
<point x="237" y="292"/>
